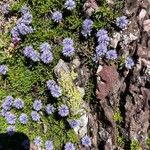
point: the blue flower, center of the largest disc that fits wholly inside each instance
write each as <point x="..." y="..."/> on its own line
<point x="87" y="27"/>
<point x="74" y="123"/>
<point x="26" y="144"/>
<point x="47" y="57"/>
<point x="24" y="10"/>
<point x="4" y="112"/>
<point x="10" y="130"/>
<point x="101" y="32"/>
<point x="7" y="103"/>
<point x="26" y="18"/>
<point x="24" y="29"/>
<point x="68" y="41"/>
<point x="5" y="8"/>
<point x="68" y="51"/>
<point x="63" y="110"/>
<point x="111" y="55"/>
<point x="14" y="32"/>
<point x="10" y="118"/>
<point x="45" y="47"/>
<point x="23" y="118"/>
<point x="70" y="4"/>
<point x="69" y="146"/>
<point x="101" y="50"/>
<point x="18" y="103"/>
<point x="122" y="22"/>
<point x="3" y="69"/>
<point x="104" y="40"/>
<point x="49" y="145"/>
<point x="50" y="84"/>
<point x="50" y="109"/>
<point x="37" y="105"/>
<point x="129" y="63"/>
<point x="57" y="16"/>
<point x="35" y="116"/>
<point x="86" y="141"/>
<point x="38" y="141"/>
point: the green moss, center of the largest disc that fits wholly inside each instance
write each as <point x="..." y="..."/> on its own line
<point x="117" y="117"/>
<point x="135" y="145"/>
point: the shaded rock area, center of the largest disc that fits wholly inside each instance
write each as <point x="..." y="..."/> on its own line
<point x="127" y="91"/>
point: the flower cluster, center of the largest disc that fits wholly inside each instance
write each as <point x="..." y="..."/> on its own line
<point x="10" y="118"/>
<point x="87" y="27"/>
<point x="29" y="52"/>
<point x="6" y="105"/>
<point x="54" y="88"/>
<point x="68" y="49"/>
<point x="129" y="63"/>
<point x="46" y="55"/>
<point x="5" y="8"/>
<point x="10" y="130"/>
<point x="111" y="55"/>
<point x="23" y="118"/>
<point x="49" y="145"/>
<point x="35" y="116"/>
<point x="86" y="141"/>
<point x="63" y="110"/>
<point x="57" y="16"/>
<point x="74" y="123"/>
<point x="122" y="22"/>
<point x="70" y="4"/>
<point x="69" y="146"/>
<point x="37" y="105"/>
<point x="38" y="141"/>
<point x="18" y="103"/>
<point x="23" y="26"/>
<point x="3" y="69"/>
<point x="49" y="109"/>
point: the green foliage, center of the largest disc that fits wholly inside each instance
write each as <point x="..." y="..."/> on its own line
<point x="135" y="145"/>
<point x="148" y="142"/>
<point x="117" y="117"/>
<point x="120" y="140"/>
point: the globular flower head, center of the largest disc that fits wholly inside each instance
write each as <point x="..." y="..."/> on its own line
<point x="68" y="51"/>
<point x="45" y="47"/>
<point x="3" y="69"/>
<point x="27" y="51"/>
<point x="14" y="32"/>
<point x="129" y="63"/>
<point x="24" y="10"/>
<point x="4" y="112"/>
<point x="10" y="118"/>
<point x="24" y="29"/>
<point x="23" y="118"/>
<point x="47" y="57"/>
<point x="26" y="144"/>
<point x="101" y="33"/>
<point x="57" y="16"/>
<point x="26" y="18"/>
<point x="67" y="41"/>
<point x="5" y="8"/>
<point x="87" y="27"/>
<point x="50" y="84"/>
<point x="70" y="4"/>
<point x="35" y="116"/>
<point x="49" y="145"/>
<point x="101" y="50"/>
<point x="56" y="91"/>
<point x="104" y="40"/>
<point x="74" y="123"/>
<point x="38" y="141"/>
<point x="111" y="55"/>
<point x="63" y="110"/>
<point x="49" y="109"/>
<point x="86" y="141"/>
<point x="37" y="105"/>
<point x="122" y="22"/>
<point x="18" y="103"/>
<point x="7" y="103"/>
<point x="69" y="146"/>
<point x="10" y="130"/>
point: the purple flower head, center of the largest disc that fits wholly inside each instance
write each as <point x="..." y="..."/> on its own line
<point x="63" y="111"/>
<point x="50" y="84"/>
<point x="74" y="123"/>
<point x="10" y="118"/>
<point x="16" y="40"/>
<point x="37" y="105"/>
<point x="14" y="32"/>
<point x="23" y="118"/>
<point x="129" y="63"/>
<point x="35" y="116"/>
<point x="111" y="55"/>
<point x="86" y="141"/>
<point x="24" y="10"/>
<point x="49" y="145"/>
<point x="24" y="29"/>
<point x="45" y="47"/>
<point x="87" y="27"/>
<point x="68" y="50"/>
<point x="70" y="4"/>
<point x="35" y="56"/>
<point x="67" y="41"/>
<point x="101" y="50"/>
<point x="4" y="112"/>
<point x="3" y="69"/>
<point x="10" y="130"/>
<point x="69" y="146"/>
<point x="27" y="51"/>
<point x="57" y="16"/>
<point x="7" y="103"/>
<point x="122" y="22"/>
<point x="101" y="32"/>
<point x="49" y="109"/>
<point x="47" y="57"/>
<point x="56" y="91"/>
<point x="38" y="141"/>
<point x="5" y="8"/>
<point x="104" y="40"/>
<point x="18" y="103"/>
<point x="26" y="144"/>
<point x="26" y="18"/>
